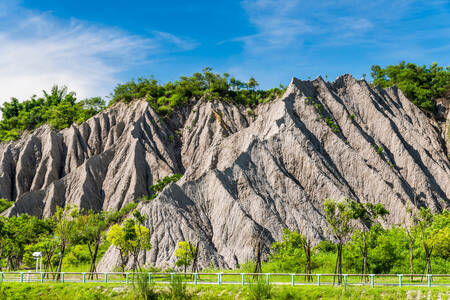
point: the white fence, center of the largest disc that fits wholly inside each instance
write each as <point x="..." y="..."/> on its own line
<point x="427" y="280"/>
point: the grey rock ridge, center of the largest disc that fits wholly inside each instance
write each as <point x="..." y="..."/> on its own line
<point x="247" y="174"/>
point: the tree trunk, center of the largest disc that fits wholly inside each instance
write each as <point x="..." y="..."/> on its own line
<point x="411" y="258"/>
<point x="365" y="257"/>
<point x="93" y="268"/>
<point x="307" y="249"/>
<point x="61" y="257"/>
<point x="339" y="265"/>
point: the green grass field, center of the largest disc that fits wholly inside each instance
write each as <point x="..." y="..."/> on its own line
<point x="117" y="291"/>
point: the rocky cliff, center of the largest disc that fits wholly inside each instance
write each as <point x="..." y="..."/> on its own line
<point x="246" y="173"/>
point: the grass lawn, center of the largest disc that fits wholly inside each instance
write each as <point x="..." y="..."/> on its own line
<point x="118" y="291"/>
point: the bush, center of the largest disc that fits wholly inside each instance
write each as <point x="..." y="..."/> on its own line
<point x="259" y="289"/>
<point x="178" y="289"/>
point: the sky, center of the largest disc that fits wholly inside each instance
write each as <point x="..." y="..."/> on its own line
<point x="91" y="46"/>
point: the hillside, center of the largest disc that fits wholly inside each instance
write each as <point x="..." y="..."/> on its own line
<point x="247" y="173"/>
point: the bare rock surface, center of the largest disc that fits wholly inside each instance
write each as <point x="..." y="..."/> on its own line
<point x="247" y="174"/>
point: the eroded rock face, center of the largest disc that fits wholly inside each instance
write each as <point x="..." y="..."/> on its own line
<point x="275" y="172"/>
<point x="103" y="164"/>
<point x="246" y="174"/>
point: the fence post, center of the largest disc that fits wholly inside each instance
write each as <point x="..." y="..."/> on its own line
<point x="149" y="277"/>
<point x="21" y="276"/>
<point x="195" y="278"/>
<point x="293" y="279"/>
<point x="345" y="280"/>
<point x="106" y="277"/>
<point x="242" y="279"/>
<point x="267" y="278"/>
<point x="218" y="278"/>
<point x="126" y="277"/>
<point x="84" y="277"/>
<point x="62" y="276"/>
<point x="400" y="283"/>
<point x="372" y="280"/>
<point x="429" y="280"/>
<point x="42" y="277"/>
<point x="318" y="279"/>
<point x="171" y="277"/>
<point x="2" y="277"/>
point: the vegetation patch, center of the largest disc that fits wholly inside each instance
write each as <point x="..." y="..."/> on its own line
<point x="58" y="108"/>
<point x="422" y="84"/>
<point x="5" y="204"/>
<point x="320" y="110"/>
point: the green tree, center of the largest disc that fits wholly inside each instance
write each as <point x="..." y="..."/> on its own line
<point x="338" y="216"/>
<point x="411" y="229"/>
<point x="186" y="254"/>
<point x="439" y="237"/>
<point x="91" y="227"/>
<point x="66" y="230"/>
<point x="367" y="214"/>
<point x="419" y="83"/>
<point x="424" y="222"/>
<point x="130" y="239"/>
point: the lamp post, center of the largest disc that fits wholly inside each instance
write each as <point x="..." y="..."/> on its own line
<point x="38" y="256"/>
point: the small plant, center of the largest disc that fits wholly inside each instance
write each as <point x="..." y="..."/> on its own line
<point x="143" y="288"/>
<point x="161" y="184"/>
<point x="252" y="113"/>
<point x="171" y="138"/>
<point x="260" y="289"/>
<point x="319" y="108"/>
<point x="331" y="123"/>
<point x="378" y="149"/>
<point x="178" y="289"/>
<point x="352" y="117"/>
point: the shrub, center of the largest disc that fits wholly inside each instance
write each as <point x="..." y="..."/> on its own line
<point x="259" y="289"/>
<point x="178" y="289"/>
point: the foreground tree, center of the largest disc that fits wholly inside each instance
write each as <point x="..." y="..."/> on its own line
<point x="130" y="239"/>
<point x="411" y="228"/>
<point x="367" y="214"/>
<point x="289" y="251"/>
<point x="91" y="227"/>
<point x="339" y="216"/>
<point x="187" y="254"/>
<point x="425" y="222"/>
<point x="65" y="231"/>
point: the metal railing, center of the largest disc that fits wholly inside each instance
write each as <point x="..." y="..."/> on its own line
<point x="372" y="280"/>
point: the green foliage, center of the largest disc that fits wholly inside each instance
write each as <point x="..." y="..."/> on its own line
<point x="387" y="249"/>
<point x="339" y="215"/>
<point x="320" y="110"/>
<point x="421" y="84"/>
<point x="287" y="255"/>
<point x="144" y="288"/>
<point x="129" y="238"/>
<point x="185" y="254"/>
<point x="5" y="204"/>
<point x="178" y="289"/>
<point x="58" y="108"/>
<point x="440" y="235"/>
<point x="378" y="149"/>
<point x="206" y="85"/>
<point x="162" y="183"/>
<point x="259" y="289"/>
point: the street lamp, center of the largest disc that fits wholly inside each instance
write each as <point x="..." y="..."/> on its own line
<point x="38" y="256"/>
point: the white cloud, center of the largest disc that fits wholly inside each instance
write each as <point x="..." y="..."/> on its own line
<point x="38" y="51"/>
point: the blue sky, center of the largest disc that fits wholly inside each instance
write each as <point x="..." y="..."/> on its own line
<point x="90" y="46"/>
